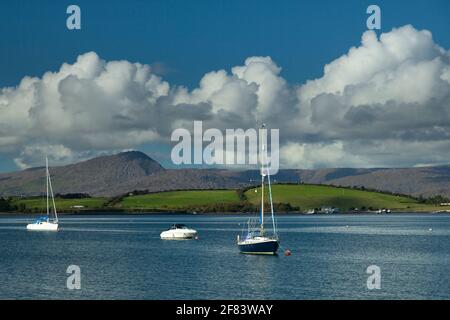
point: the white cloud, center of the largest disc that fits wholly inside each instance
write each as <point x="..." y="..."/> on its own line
<point x="35" y="154"/>
<point x="88" y="105"/>
<point x="319" y="155"/>
<point x="390" y="93"/>
<point x="380" y="64"/>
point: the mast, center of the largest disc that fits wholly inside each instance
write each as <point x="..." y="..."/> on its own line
<point x="262" y="135"/>
<point x="262" y="159"/>
<point x="264" y="172"/>
<point x="53" y="197"/>
<point x="46" y="183"/>
<point x="262" y="201"/>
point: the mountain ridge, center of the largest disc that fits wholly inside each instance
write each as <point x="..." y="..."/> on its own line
<point x="112" y="175"/>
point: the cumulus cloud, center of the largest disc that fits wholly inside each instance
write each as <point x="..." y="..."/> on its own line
<point x="386" y="102"/>
<point x="36" y="153"/>
<point x="389" y="95"/>
<point x="88" y="105"/>
<point x="324" y="155"/>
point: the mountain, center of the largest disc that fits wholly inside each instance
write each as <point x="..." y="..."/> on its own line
<point x="421" y="181"/>
<point x="95" y="176"/>
<point x="134" y="170"/>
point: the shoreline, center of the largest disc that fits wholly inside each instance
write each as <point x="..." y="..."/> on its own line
<point x="233" y="202"/>
<point x="178" y="213"/>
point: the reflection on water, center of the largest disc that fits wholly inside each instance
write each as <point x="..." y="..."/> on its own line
<point x="122" y="257"/>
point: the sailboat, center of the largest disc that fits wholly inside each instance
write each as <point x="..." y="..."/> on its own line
<point x="257" y="239"/>
<point x="44" y="223"/>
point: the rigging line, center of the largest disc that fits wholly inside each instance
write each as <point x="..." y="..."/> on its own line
<point x="53" y="196"/>
<point x="271" y="201"/>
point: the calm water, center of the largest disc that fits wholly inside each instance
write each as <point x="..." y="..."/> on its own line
<point x="122" y="257"/>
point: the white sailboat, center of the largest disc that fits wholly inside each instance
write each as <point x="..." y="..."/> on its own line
<point x="44" y="223"/>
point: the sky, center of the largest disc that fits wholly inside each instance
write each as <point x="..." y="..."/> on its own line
<point x="150" y="66"/>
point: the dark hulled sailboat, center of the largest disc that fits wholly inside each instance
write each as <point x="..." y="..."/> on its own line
<point x="258" y="240"/>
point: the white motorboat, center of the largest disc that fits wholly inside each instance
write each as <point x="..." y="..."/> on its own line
<point x="179" y="232"/>
<point x="44" y="223"/>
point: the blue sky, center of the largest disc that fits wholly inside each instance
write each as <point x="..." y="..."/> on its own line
<point x="190" y="38"/>
<point x="194" y="37"/>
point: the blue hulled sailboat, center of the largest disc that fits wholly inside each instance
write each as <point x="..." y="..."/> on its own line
<point x="256" y="239"/>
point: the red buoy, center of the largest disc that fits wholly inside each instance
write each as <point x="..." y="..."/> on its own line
<point x="287" y="253"/>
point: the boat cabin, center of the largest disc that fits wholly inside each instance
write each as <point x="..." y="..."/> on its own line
<point x="178" y="226"/>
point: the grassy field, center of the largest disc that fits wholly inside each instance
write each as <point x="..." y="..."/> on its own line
<point x="178" y="199"/>
<point x="303" y="197"/>
<point x="39" y="204"/>
<point x="312" y="196"/>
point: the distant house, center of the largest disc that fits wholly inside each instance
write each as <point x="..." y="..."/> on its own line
<point x="77" y="207"/>
<point x="445" y="204"/>
<point x="328" y="210"/>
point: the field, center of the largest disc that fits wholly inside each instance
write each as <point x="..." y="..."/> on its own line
<point x="39" y="204"/>
<point x="315" y="196"/>
<point x="179" y="199"/>
<point x="299" y="197"/>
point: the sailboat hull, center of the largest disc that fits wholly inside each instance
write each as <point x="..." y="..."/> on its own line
<point x="44" y="226"/>
<point x="44" y="223"/>
<point x="259" y="246"/>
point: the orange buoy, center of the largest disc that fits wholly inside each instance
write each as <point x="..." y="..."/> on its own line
<point x="287" y="253"/>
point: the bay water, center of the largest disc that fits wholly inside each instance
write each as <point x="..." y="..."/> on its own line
<point x="123" y="257"/>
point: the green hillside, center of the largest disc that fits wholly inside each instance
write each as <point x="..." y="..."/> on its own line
<point x="285" y="197"/>
<point x="316" y="196"/>
<point x="39" y="204"/>
<point x="179" y="199"/>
